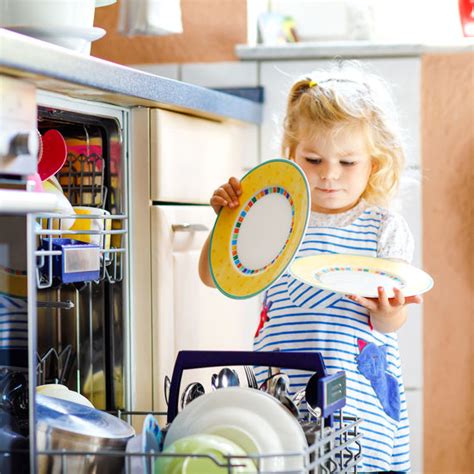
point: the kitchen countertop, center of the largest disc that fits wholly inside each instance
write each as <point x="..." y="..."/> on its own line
<point x="65" y="71"/>
<point x="347" y="49"/>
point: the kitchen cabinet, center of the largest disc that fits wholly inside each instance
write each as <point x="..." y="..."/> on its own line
<point x="186" y="313"/>
<point x="191" y="156"/>
<point x="178" y="161"/>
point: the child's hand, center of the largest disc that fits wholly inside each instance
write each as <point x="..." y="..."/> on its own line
<point x="226" y="195"/>
<point x="387" y="314"/>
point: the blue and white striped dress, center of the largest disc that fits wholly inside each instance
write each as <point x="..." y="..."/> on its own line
<point x="304" y="318"/>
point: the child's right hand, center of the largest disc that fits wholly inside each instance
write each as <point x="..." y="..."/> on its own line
<point x="226" y="195"/>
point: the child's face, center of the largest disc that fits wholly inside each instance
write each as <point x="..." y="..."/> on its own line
<point x="337" y="164"/>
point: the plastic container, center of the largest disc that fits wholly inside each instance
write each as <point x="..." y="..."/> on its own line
<point x="77" y="262"/>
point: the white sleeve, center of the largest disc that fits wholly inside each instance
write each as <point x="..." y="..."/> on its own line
<point x="395" y="238"/>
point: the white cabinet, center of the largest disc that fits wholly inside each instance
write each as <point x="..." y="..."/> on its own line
<point x="186" y="313"/>
<point x="178" y="160"/>
<point x="410" y="336"/>
<point x="192" y="156"/>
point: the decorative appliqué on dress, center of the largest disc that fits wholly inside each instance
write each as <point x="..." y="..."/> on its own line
<point x="372" y="364"/>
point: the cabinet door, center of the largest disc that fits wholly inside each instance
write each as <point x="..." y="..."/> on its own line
<point x="186" y="313"/>
<point x="410" y="335"/>
<point x="192" y="156"/>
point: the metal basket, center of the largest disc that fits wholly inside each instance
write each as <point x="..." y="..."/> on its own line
<point x="335" y="449"/>
<point x="111" y="240"/>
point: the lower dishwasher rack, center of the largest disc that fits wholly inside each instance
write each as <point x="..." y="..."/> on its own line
<point x="334" y="439"/>
<point x="334" y="449"/>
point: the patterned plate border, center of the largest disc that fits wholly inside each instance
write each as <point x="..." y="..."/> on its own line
<point x="12" y="271"/>
<point x="375" y="271"/>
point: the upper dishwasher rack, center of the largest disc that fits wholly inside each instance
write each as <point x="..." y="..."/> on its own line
<point x="110" y="238"/>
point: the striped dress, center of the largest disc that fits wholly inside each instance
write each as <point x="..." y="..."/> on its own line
<point x="303" y="318"/>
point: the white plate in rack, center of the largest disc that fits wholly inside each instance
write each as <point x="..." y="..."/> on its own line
<point x="356" y="275"/>
<point x="252" y="419"/>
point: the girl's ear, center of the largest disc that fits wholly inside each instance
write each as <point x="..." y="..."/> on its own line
<point x="291" y="154"/>
<point x="375" y="166"/>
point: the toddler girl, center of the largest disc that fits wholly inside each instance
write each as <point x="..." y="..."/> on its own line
<point x="339" y="131"/>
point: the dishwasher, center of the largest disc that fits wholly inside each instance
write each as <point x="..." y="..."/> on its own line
<point x="65" y="316"/>
<point x="64" y="304"/>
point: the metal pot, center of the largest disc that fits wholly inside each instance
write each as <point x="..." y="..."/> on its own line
<point x="73" y="428"/>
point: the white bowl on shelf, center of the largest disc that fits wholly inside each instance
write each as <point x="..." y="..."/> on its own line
<point x="47" y="13"/>
<point x="75" y="38"/>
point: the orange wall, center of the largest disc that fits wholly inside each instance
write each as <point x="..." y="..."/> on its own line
<point x="448" y="196"/>
<point x="211" y="29"/>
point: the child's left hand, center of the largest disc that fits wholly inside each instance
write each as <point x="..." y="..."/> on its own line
<point x="388" y="312"/>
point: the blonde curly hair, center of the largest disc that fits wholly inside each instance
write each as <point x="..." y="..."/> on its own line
<point x="347" y="96"/>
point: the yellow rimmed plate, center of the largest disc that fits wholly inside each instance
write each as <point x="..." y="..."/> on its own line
<point x="356" y="275"/>
<point x="13" y="282"/>
<point x="252" y="245"/>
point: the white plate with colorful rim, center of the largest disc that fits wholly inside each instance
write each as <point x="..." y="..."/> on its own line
<point x="252" y="419"/>
<point x="357" y="275"/>
<point x="253" y="244"/>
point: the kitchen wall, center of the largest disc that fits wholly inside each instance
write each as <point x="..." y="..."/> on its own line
<point x="212" y="28"/>
<point x="448" y="210"/>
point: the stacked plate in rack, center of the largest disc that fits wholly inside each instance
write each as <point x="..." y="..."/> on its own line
<point x="66" y="23"/>
<point x="244" y="422"/>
